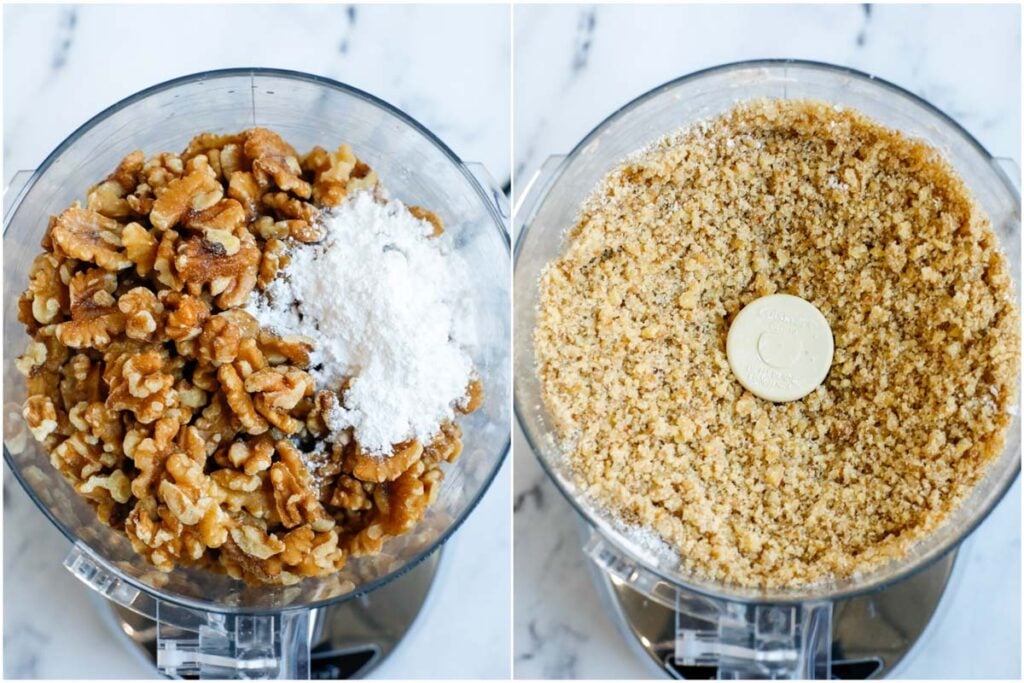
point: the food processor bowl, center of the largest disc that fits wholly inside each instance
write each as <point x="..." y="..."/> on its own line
<point x="549" y="207"/>
<point x="263" y="630"/>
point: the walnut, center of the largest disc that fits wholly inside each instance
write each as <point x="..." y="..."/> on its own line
<point x="81" y="380"/>
<point x="380" y="468"/>
<point x="243" y="493"/>
<point x="108" y="198"/>
<point x="246" y="323"/>
<point x="271" y="261"/>
<point x="48" y="295"/>
<point x="286" y="206"/>
<point x="240" y="401"/>
<point x="186" y="315"/>
<point x="206" y="142"/>
<point x="351" y="494"/>
<point x="250" y="358"/>
<point x="99" y="425"/>
<point x="294" y="497"/>
<point x="129" y="170"/>
<point x="337" y="174"/>
<point x="43" y="379"/>
<point x="144" y="529"/>
<point x="252" y="455"/>
<point x="116" y="484"/>
<point x="217" y="424"/>
<point x="276" y="391"/>
<point x="243" y="188"/>
<point x="446" y="445"/>
<point x="163" y="264"/>
<point x="219" y="223"/>
<point x="201" y="262"/>
<point x="232" y="160"/>
<point x="95" y="319"/>
<point x="191" y="396"/>
<point x="91" y="293"/>
<point x="78" y="457"/>
<point x="144" y="387"/>
<point x="193" y="192"/>
<point x="431" y="480"/>
<point x="267" y="228"/>
<point x="275" y="160"/>
<point x="240" y="564"/>
<point x="161" y="538"/>
<point x="160" y="170"/>
<point x="90" y="332"/>
<point x="474" y="397"/>
<point x="297" y="545"/>
<point x="141" y="200"/>
<point x="149" y="450"/>
<point x="41" y="416"/>
<point x="256" y="542"/>
<point x="78" y="460"/>
<point x="89" y="236"/>
<point x="323" y="403"/>
<point x="218" y="340"/>
<point x="400" y="503"/>
<point x="116" y="355"/>
<point x="294" y="349"/>
<point x="204" y="376"/>
<point x="303" y="231"/>
<point x="32" y="360"/>
<point x="143" y="313"/>
<point x="309" y="553"/>
<point x="191" y="495"/>
<point x="140" y="247"/>
<point x="430" y="217"/>
<point x="325" y="466"/>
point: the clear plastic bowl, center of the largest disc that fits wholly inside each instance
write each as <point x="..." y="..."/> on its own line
<point x="307" y="110"/>
<point x="564" y="182"/>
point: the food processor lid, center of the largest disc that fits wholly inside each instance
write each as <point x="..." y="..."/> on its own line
<point x="612" y="547"/>
<point x="129" y="590"/>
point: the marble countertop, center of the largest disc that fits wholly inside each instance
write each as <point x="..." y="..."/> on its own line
<point x="449" y="68"/>
<point x="574" y="66"/>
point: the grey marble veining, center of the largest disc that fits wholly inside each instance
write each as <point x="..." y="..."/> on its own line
<point x="449" y="68"/>
<point x="574" y="65"/>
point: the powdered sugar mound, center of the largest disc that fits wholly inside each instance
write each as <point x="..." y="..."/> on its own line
<point x="380" y="298"/>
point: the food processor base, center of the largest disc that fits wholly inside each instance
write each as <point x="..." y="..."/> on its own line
<point x="350" y="638"/>
<point x="871" y="633"/>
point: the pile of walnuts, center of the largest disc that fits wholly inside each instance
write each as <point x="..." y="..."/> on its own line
<point x="165" y="404"/>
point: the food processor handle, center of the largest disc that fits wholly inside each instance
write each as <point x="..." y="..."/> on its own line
<point x="493" y="189"/>
<point x="760" y="641"/>
<point x="198" y="643"/>
<point x="740" y="640"/>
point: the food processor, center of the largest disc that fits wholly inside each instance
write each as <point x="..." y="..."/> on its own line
<point x="196" y="623"/>
<point x="689" y="627"/>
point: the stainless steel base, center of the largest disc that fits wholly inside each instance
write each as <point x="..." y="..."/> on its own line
<point x="871" y="633"/>
<point x="349" y="639"/>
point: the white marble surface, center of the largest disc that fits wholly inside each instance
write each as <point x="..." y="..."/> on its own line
<point x="574" y="66"/>
<point x="448" y="67"/>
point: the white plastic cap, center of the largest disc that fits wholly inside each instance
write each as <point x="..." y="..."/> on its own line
<point x="780" y="347"/>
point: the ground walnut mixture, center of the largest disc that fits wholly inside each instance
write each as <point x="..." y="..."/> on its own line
<point x="803" y="198"/>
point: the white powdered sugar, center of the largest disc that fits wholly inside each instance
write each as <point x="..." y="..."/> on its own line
<point x="383" y="303"/>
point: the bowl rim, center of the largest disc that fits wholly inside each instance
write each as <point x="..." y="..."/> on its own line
<point x="597" y="523"/>
<point x="496" y="221"/>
